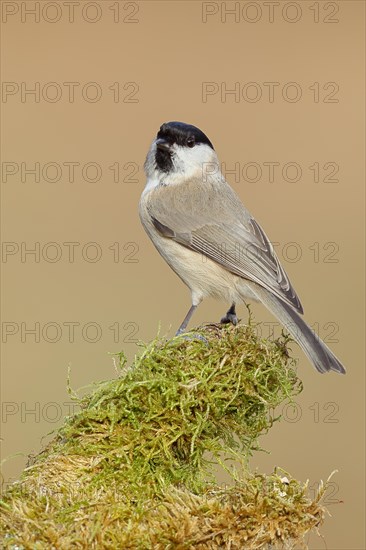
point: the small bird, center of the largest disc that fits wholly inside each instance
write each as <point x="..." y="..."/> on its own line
<point x="200" y="227"/>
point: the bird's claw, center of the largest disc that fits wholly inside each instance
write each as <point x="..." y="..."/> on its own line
<point x="229" y="318"/>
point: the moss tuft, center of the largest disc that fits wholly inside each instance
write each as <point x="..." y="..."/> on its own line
<point x="135" y="467"/>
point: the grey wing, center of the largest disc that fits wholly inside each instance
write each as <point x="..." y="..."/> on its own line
<point x="239" y="245"/>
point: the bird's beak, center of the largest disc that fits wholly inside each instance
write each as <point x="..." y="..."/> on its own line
<point x="162" y="144"/>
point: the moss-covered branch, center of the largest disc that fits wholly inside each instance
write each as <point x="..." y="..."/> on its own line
<point x="135" y="467"/>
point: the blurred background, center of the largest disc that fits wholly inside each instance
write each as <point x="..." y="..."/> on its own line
<point x="278" y="87"/>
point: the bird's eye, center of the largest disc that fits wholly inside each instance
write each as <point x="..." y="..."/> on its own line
<point x="191" y="142"/>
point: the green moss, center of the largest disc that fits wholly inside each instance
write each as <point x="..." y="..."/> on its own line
<point x="135" y="467"/>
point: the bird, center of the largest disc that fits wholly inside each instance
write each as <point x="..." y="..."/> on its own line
<point x="200" y="227"/>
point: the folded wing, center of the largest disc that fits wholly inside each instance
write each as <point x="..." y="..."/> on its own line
<point x="215" y="224"/>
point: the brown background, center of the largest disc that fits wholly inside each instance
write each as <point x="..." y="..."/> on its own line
<point x="169" y="52"/>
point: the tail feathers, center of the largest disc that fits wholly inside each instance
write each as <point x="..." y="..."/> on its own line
<point x="319" y="354"/>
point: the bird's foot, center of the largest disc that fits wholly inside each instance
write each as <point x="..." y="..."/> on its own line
<point x="230" y="317"/>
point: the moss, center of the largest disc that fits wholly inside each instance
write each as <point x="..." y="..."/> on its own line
<point x="135" y="468"/>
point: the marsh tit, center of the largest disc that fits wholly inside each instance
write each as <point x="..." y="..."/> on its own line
<point x="200" y="227"/>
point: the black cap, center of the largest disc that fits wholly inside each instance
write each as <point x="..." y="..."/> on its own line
<point x="183" y="134"/>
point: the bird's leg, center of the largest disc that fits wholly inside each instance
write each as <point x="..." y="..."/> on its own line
<point x="230" y="316"/>
<point x="183" y="326"/>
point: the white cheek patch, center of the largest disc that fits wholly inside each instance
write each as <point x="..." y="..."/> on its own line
<point x="193" y="161"/>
